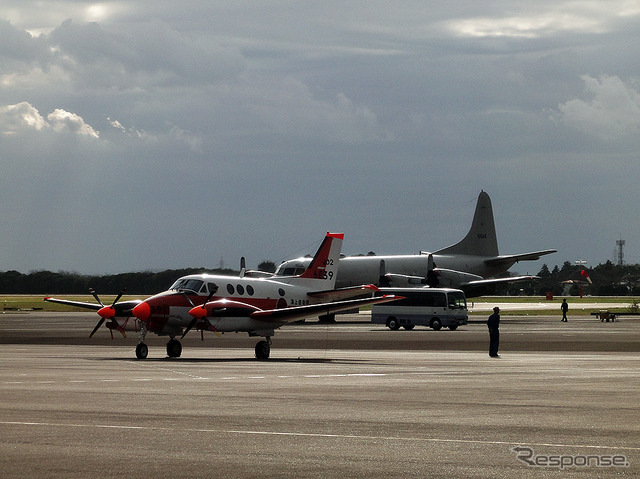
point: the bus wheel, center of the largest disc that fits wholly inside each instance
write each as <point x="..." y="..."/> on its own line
<point x="436" y="324"/>
<point x="409" y="327"/>
<point x="453" y="327"/>
<point x="393" y="324"/>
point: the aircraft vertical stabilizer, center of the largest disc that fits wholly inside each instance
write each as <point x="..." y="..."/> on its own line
<point x="481" y="239"/>
<point x="322" y="271"/>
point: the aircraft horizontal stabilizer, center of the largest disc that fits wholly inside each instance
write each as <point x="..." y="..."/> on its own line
<point x="296" y="313"/>
<point x="514" y="258"/>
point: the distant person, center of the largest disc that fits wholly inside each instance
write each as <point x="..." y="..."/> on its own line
<point x="494" y="332"/>
<point x="564" y="307"/>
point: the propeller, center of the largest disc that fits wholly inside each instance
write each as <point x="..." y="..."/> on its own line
<point x="383" y="280"/>
<point x="106" y="312"/>
<point x="195" y="318"/>
<point x="432" y="279"/>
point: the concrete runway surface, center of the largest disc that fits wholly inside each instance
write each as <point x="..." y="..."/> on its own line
<point x="350" y="400"/>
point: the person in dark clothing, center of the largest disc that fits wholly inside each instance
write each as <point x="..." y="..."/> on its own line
<point x="564" y="307"/>
<point x="494" y="333"/>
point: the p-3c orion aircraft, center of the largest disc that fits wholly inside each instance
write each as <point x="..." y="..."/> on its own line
<point x="471" y="264"/>
<point x="222" y="304"/>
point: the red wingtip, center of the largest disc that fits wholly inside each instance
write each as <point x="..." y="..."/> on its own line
<point x="372" y="287"/>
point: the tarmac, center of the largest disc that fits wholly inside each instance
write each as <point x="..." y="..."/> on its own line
<point x="347" y="400"/>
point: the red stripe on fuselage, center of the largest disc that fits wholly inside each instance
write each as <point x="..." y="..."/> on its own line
<point x="162" y="305"/>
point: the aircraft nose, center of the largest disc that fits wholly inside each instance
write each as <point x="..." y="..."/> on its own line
<point x="142" y="311"/>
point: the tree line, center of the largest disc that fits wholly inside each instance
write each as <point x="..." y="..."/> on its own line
<point x="62" y="282"/>
<point x="608" y="279"/>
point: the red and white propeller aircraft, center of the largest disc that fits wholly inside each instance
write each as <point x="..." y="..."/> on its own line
<point x="222" y="304"/>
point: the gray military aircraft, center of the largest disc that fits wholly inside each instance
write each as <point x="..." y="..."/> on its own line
<point x="472" y="264"/>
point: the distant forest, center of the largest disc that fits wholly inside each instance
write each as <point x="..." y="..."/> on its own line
<point x="46" y="282"/>
<point x="608" y="279"/>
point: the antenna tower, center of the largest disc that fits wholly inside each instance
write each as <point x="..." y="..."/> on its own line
<point x="620" y="248"/>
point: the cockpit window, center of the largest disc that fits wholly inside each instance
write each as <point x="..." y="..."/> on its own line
<point x="290" y="270"/>
<point x="193" y="285"/>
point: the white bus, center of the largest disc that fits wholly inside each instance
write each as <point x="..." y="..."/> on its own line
<point x="433" y="307"/>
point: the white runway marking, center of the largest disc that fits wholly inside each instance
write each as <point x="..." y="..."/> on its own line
<point x="319" y="435"/>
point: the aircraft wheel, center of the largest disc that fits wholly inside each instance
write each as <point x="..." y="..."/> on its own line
<point x="174" y="348"/>
<point x="436" y="324"/>
<point x="393" y="324"/>
<point x="263" y="350"/>
<point x="453" y="327"/>
<point x="142" y="350"/>
<point x="409" y="327"/>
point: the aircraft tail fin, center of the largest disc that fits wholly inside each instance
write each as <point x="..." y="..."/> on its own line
<point x="481" y="240"/>
<point x="323" y="268"/>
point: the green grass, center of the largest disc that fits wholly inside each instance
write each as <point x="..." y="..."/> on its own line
<point x="27" y="302"/>
<point x="575" y="303"/>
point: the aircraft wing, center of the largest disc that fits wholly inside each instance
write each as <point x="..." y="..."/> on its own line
<point x="77" y="304"/>
<point x="296" y="313"/>
<point x="343" y="293"/>
<point x="404" y="279"/>
<point x="514" y="258"/>
<point x="493" y="281"/>
<point x="122" y="307"/>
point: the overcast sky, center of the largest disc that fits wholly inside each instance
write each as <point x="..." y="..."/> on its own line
<point x="139" y="135"/>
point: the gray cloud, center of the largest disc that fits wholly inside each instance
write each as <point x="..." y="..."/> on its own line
<point x="611" y="112"/>
<point x="165" y="135"/>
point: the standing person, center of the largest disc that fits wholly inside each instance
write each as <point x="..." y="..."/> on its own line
<point x="494" y="333"/>
<point x="564" y="307"/>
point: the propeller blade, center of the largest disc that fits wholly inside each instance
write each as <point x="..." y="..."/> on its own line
<point x="118" y="297"/>
<point x="188" y="299"/>
<point x="95" y="295"/>
<point x="208" y="298"/>
<point x="191" y="325"/>
<point x="97" y="326"/>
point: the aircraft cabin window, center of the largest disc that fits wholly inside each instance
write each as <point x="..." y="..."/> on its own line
<point x="281" y="291"/>
<point x="250" y="290"/>
<point x="212" y="287"/>
<point x="240" y="289"/>
<point x="230" y="289"/>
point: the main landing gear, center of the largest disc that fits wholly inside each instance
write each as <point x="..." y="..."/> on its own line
<point x="263" y="349"/>
<point x="142" y="350"/>
<point x="174" y="349"/>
